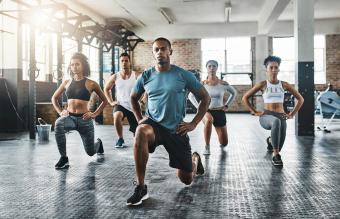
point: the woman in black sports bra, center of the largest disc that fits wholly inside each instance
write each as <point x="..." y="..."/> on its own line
<point x="77" y="115"/>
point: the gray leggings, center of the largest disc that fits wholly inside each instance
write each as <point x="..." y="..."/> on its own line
<point x="277" y="124"/>
<point x="85" y="129"/>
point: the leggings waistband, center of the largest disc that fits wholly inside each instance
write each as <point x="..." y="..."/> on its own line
<point x="76" y="114"/>
<point x="276" y="114"/>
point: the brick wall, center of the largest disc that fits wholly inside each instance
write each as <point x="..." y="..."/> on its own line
<point x="333" y="60"/>
<point x="186" y="54"/>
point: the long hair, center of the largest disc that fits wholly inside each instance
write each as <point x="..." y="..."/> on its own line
<point x="84" y="62"/>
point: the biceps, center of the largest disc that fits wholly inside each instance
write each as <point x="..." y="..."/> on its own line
<point x="201" y="94"/>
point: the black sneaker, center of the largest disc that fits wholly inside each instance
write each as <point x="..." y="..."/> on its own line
<point x="277" y="160"/>
<point x="120" y="143"/>
<point x="62" y="163"/>
<point x="100" y="150"/>
<point x="140" y="194"/>
<point x="269" y="145"/>
<point x="200" y="168"/>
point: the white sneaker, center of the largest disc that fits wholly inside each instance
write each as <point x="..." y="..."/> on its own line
<point x="207" y="150"/>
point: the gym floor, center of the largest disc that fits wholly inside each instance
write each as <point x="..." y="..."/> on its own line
<point x="240" y="181"/>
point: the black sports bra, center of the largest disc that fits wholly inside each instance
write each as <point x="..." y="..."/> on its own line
<point x="77" y="90"/>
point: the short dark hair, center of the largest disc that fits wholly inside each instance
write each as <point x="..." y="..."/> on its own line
<point x="211" y="62"/>
<point x="272" y="59"/>
<point x="162" y="39"/>
<point x="124" y="54"/>
<point x="84" y="62"/>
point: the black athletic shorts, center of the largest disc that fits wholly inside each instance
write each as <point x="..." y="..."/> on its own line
<point x="129" y="115"/>
<point x="219" y="117"/>
<point x="177" y="146"/>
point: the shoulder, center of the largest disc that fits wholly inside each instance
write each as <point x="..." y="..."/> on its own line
<point x="146" y="74"/>
<point x="261" y="84"/>
<point x="285" y="84"/>
<point x="66" y="83"/>
<point x="223" y="82"/>
<point x="182" y="72"/>
<point x="91" y="83"/>
<point x="135" y="74"/>
<point x="113" y="77"/>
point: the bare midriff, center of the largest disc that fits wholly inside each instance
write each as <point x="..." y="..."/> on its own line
<point x="77" y="106"/>
<point x="275" y="107"/>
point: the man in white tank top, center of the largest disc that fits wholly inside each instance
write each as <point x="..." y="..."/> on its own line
<point x="123" y="82"/>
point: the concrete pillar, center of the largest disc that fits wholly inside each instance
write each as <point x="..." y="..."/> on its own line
<point x="80" y="45"/>
<point x="262" y="50"/>
<point x="32" y="84"/>
<point x="49" y="73"/>
<point x="304" y="50"/>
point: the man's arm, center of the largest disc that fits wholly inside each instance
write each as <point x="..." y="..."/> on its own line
<point x="134" y="98"/>
<point x="203" y="106"/>
<point x="204" y="101"/>
<point x="107" y="89"/>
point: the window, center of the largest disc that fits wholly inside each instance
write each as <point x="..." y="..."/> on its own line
<point x="285" y="49"/>
<point x="8" y="36"/>
<point x="233" y="55"/>
<point x="92" y="54"/>
<point x="41" y="53"/>
<point x="69" y="47"/>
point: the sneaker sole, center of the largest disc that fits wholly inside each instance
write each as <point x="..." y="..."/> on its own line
<point x="63" y="167"/>
<point x="140" y="202"/>
<point x="277" y="164"/>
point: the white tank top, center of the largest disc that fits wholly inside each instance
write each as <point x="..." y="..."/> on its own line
<point x="274" y="93"/>
<point x="123" y="90"/>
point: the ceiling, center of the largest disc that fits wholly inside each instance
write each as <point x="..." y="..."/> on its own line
<point x="206" y="18"/>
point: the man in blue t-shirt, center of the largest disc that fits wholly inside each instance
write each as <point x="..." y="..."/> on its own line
<point x="166" y="87"/>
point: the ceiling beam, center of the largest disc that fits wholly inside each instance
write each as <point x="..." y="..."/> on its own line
<point x="271" y="11"/>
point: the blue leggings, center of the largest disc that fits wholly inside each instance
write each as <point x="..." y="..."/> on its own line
<point x="277" y="124"/>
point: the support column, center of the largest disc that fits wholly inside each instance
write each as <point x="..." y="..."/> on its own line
<point x="100" y="118"/>
<point x="80" y="45"/>
<point x="304" y="79"/>
<point x="32" y="85"/>
<point x="262" y="50"/>
<point x="49" y="73"/>
<point x="101" y="65"/>
<point x="60" y="64"/>
<point x="113" y="68"/>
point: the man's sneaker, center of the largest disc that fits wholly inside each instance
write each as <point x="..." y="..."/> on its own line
<point x="140" y="194"/>
<point x="101" y="148"/>
<point x="269" y="145"/>
<point x="62" y="163"/>
<point x="120" y="143"/>
<point x="200" y="168"/>
<point x="207" y="150"/>
<point x="277" y="160"/>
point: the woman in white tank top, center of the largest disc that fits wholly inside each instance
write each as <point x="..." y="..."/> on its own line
<point x="273" y="117"/>
<point x="215" y="116"/>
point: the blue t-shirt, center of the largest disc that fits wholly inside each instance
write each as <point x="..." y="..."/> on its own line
<point x="167" y="94"/>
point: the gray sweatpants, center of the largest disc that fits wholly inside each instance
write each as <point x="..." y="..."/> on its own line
<point x="85" y="129"/>
<point x="277" y="124"/>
